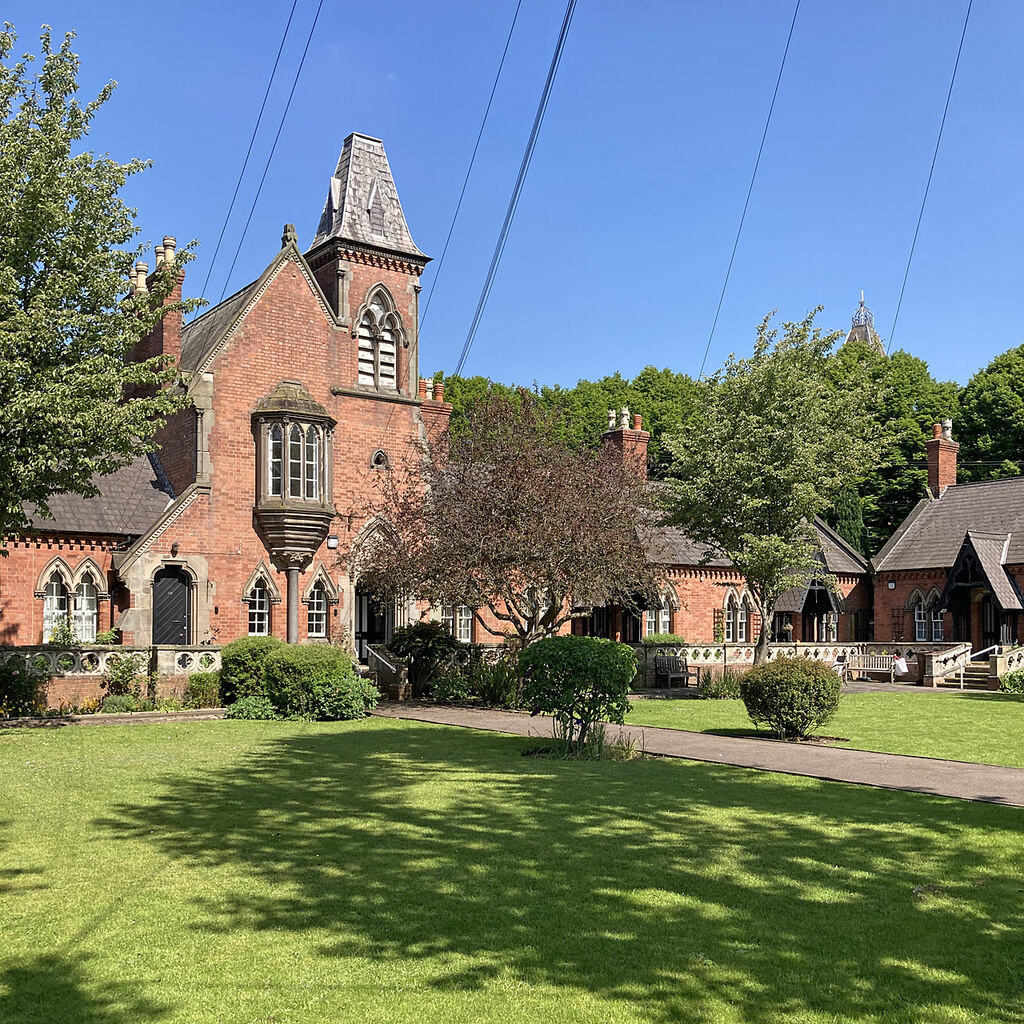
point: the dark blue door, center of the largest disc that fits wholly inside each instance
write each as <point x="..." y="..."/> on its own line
<point x="171" y="618"/>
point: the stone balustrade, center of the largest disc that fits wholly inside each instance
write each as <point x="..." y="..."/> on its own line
<point x="87" y="660"/>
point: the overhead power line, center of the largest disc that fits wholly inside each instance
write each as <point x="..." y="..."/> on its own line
<point x="520" y="179"/>
<point x="469" y="170"/>
<point x="750" y="189"/>
<point x="273" y="148"/>
<point x="248" y="152"/>
<point x="931" y="171"/>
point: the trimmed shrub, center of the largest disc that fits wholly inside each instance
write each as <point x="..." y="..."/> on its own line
<point x="22" y="689"/>
<point x="579" y="680"/>
<point x="673" y="639"/>
<point x="424" y="646"/>
<point x="203" y="690"/>
<point x="722" y="687"/>
<point x="241" y="661"/>
<point x="119" y="703"/>
<point x="316" y="681"/>
<point x="123" y="676"/>
<point x="791" y="696"/>
<point x="254" y="708"/>
<point x="1012" y="682"/>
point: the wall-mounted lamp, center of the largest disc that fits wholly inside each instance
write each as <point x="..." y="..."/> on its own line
<point x="891" y="585"/>
<point x="332" y="541"/>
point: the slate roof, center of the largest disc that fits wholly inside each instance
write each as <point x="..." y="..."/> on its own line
<point x="131" y="499"/>
<point x="363" y="172"/>
<point x="991" y="549"/>
<point x="668" y="545"/>
<point x="931" y="536"/>
<point x="202" y="335"/>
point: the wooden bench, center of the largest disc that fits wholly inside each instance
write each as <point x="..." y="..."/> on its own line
<point x="858" y="665"/>
<point x="669" y="668"/>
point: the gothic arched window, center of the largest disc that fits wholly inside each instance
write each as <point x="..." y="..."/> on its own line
<point x="316" y="614"/>
<point x="312" y="465"/>
<point x="55" y="605"/>
<point x="275" y="460"/>
<point x="86" y="610"/>
<point x="379" y="337"/>
<point x="259" y="610"/>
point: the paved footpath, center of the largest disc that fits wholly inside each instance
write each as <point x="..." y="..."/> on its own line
<point x="960" y="779"/>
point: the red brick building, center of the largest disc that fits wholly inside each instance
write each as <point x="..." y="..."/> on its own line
<point x="954" y="570"/>
<point x="299" y="389"/>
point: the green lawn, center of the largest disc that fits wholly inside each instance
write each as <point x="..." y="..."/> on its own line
<point x="399" y="872"/>
<point x="987" y="728"/>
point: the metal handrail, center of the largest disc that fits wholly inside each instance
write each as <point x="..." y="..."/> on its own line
<point x="988" y="650"/>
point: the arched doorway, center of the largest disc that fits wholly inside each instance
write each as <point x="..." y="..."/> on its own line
<point x="375" y="621"/>
<point x="172" y="607"/>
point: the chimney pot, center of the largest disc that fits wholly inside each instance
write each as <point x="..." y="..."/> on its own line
<point x="611" y="419"/>
<point x="422" y="388"/>
<point x="439" y="391"/>
<point x="141" y="273"/>
<point x="170" y="244"/>
<point x="624" y="421"/>
<point x="936" y="430"/>
<point x="637" y="421"/>
<point x="430" y="390"/>
<point x="158" y="252"/>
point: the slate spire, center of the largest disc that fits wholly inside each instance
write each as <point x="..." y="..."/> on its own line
<point x="863" y="327"/>
<point x="362" y="205"/>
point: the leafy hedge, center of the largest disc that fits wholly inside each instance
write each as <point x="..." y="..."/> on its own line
<point x="203" y="690"/>
<point x="1013" y="682"/>
<point x="316" y="681"/>
<point x="241" y="666"/>
<point x="673" y="639"/>
<point x="791" y="695"/>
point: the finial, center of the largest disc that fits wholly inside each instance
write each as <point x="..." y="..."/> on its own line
<point x="862" y="296"/>
<point x="289" y="235"/>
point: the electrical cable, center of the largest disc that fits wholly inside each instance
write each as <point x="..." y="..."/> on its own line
<point x="753" y="177"/>
<point x="931" y="171"/>
<point x="520" y="179"/>
<point x="248" y="152"/>
<point x="273" y="148"/>
<point x="469" y="170"/>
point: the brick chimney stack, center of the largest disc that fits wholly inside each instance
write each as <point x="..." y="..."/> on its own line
<point x="942" y="450"/>
<point x="165" y="339"/>
<point x="630" y="441"/>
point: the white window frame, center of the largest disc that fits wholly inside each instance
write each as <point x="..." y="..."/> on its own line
<point x="920" y="623"/>
<point x="938" y="629"/>
<point x="463" y="624"/>
<point x="665" y="617"/>
<point x="55" y="605"/>
<point x="316" y="612"/>
<point x="259" y="610"/>
<point x="275" y="460"/>
<point x="729" y="631"/>
<point x="296" y="444"/>
<point x="742" y="617"/>
<point x="85" y="614"/>
<point x="311" y="453"/>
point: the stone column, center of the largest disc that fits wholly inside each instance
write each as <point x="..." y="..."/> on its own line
<point x="292" y="575"/>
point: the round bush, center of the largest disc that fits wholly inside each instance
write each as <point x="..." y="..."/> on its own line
<point x="791" y="695"/>
<point x="241" y="661"/>
<point x="579" y="680"/>
<point x="316" y="681"/>
<point x="1012" y="682"/>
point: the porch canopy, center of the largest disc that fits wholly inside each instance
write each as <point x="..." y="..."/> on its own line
<point x="980" y="563"/>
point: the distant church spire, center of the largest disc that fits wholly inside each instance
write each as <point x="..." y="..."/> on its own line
<point x="863" y="327"/>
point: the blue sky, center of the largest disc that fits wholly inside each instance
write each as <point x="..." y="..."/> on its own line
<point x="619" y="248"/>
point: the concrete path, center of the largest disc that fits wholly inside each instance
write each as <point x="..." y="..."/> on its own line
<point x="960" y="779"/>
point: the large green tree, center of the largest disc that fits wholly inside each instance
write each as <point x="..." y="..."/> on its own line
<point x="663" y="398"/>
<point x="770" y="445"/>
<point x="992" y="418"/>
<point x="68" y="323"/>
<point x="901" y="396"/>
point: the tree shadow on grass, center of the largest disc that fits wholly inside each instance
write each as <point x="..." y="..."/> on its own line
<point x="687" y="891"/>
<point x="53" y="988"/>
